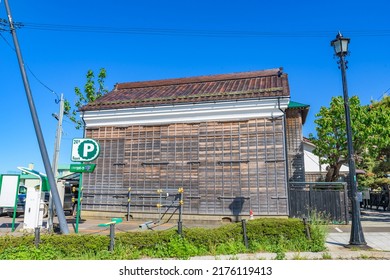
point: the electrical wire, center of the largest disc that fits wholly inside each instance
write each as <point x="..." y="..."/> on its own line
<point x="6" y="41"/>
<point x="384" y="94"/>
<point x="177" y="32"/>
<point x="32" y="73"/>
<point x="194" y="32"/>
<point x="43" y="84"/>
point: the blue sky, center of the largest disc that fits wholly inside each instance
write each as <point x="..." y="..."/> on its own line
<point x="201" y="39"/>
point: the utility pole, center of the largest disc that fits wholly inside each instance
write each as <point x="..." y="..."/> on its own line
<point x="56" y="157"/>
<point x="46" y="162"/>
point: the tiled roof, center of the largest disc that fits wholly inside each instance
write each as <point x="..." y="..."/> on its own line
<point x="236" y="86"/>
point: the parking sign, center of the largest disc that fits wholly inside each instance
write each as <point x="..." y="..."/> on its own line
<point x="85" y="149"/>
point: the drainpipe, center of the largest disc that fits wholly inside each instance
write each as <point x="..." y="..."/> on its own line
<point x="84" y="125"/>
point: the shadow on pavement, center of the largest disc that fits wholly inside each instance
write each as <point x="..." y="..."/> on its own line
<point x="9" y="225"/>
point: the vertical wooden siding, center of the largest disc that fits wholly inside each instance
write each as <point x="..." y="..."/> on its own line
<point x="296" y="166"/>
<point x="104" y="189"/>
<point x="225" y="168"/>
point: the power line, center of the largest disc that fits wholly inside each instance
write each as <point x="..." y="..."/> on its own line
<point x="31" y="72"/>
<point x="195" y="32"/>
<point x="6" y="41"/>
<point x="383" y="94"/>
<point x="43" y="84"/>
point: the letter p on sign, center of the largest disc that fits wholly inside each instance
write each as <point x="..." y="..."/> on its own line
<point x="85" y="149"/>
<point x="88" y="147"/>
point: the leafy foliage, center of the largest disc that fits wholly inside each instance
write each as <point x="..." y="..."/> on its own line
<point x="51" y="247"/>
<point x="90" y="94"/>
<point x="381" y="166"/>
<point x="370" y="134"/>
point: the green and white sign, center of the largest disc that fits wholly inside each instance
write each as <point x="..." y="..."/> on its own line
<point x="82" y="168"/>
<point x="85" y="149"/>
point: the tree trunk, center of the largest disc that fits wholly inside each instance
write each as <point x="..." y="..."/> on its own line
<point x="333" y="173"/>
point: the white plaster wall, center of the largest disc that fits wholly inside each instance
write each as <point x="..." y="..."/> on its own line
<point x="187" y="113"/>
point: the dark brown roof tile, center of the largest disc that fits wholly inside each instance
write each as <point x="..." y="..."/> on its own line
<point x="236" y="86"/>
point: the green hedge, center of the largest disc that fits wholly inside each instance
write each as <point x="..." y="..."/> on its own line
<point x="267" y="235"/>
<point x="52" y="246"/>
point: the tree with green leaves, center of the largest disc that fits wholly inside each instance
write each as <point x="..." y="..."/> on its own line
<point x="90" y="94"/>
<point x="370" y="134"/>
<point x="379" y="169"/>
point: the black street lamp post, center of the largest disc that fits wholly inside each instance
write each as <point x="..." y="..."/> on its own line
<point x="340" y="45"/>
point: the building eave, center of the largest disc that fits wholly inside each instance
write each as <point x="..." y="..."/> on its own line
<point x="187" y="113"/>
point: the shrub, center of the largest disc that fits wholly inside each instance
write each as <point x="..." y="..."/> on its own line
<point x="267" y="234"/>
<point x="74" y="245"/>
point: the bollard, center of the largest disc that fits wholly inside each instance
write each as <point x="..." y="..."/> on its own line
<point x="128" y="204"/>
<point x="112" y="236"/>
<point x="307" y="229"/>
<point x="159" y="204"/>
<point x="180" y="228"/>
<point x="112" y="224"/>
<point x="244" y="233"/>
<point x="37" y="239"/>
<point x="180" y="222"/>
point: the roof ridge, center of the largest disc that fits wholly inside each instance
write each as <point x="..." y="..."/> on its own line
<point x="200" y="79"/>
<point x="211" y="88"/>
<point x="187" y="97"/>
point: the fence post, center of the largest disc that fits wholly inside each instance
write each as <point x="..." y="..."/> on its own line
<point x="128" y="204"/>
<point x="307" y="229"/>
<point x="112" y="236"/>
<point x="244" y="233"/>
<point x="346" y="203"/>
<point x="181" y="202"/>
<point x="37" y="239"/>
<point x="159" y="205"/>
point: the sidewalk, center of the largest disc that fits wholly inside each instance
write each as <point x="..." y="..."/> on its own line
<point x="376" y="231"/>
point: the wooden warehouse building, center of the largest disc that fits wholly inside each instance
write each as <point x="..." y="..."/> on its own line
<point x="230" y="141"/>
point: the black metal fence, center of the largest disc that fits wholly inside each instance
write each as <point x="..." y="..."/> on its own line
<point x="324" y="199"/>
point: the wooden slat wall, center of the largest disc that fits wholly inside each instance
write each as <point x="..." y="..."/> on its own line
<point x="329" y="200"/>
<point x="103" y="189"/>
<point x="296" y="166"/>
<point x="225" y="168"/>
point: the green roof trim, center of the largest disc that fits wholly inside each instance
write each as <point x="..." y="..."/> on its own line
<point x="297" y="105"/>
<point x="304" y="109"/>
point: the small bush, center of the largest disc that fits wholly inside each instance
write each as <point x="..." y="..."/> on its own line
<point x="74" y="245"/>
<point x="232" y="247"/>
<point x="24" y="252"/>
<point x="266" y="235"/>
